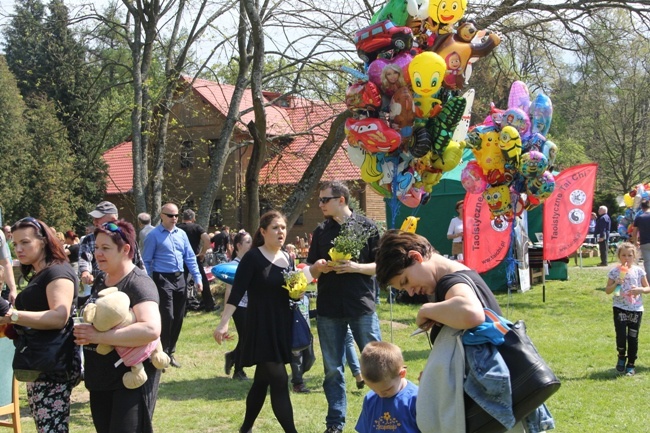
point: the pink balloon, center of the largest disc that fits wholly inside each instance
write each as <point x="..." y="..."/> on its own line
<point x="377" y="66"/>
<point x="473" y="179"/>
<point x="412" y="197"/>
<point x="519" y="96"/>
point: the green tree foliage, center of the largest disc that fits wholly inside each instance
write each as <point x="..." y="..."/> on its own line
<point x="51" y="180"/>
<point x="49" y="63"/>
<point x="15" y="145"/>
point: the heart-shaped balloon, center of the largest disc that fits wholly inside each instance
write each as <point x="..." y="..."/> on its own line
<point x="376" y="68"/>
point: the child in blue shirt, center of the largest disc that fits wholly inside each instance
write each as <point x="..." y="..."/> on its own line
<point x="390" y="405"/>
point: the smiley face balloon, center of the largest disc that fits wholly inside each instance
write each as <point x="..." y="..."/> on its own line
<point x="447" y="12"/>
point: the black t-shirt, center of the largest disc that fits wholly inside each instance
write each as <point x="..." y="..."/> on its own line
<point x="450" y="280"/>
<point x="221" y="241"/>
<point x="74" y="253"/>
<point x="642" y="224"/>
<point x="343" y="295"/>
<point x="101" y="373"/>
<point x="34" y="296"/>
<point x="194" y="232"/>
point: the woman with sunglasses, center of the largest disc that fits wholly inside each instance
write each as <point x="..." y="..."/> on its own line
<point x="46" y="304"/>
<point x="113" y="407"/>
<point x="267" y="343"/>
<point x="242" y="242"/>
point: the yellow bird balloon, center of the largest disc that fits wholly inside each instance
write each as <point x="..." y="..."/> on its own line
<point x="427" y="71"/>
<point x="410" y="224"/>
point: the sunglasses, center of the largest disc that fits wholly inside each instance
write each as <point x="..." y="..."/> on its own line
<point x="171" y="215"/>
<point x="34" y="222"/>
<point x="326" y="200"/>
<point x="114" y="228"/>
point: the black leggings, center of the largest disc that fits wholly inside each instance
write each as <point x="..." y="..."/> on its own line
<point x="627" y="324"/>
<point x="119" y="411"/>
<point x="273" y="375"/>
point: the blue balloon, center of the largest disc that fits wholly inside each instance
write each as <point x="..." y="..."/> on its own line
<point x="541" y="114"/>
<point x="225" y="271"/>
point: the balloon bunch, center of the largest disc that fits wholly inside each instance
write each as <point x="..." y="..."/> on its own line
<point x="632" y="202"/>
<point x="513" y="156"/>
<point x="406" y="130"/>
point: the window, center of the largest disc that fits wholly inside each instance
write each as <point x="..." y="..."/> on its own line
<point x="187" y="154"/>
<point x="300" y="221"/>
<point x="216" y="218"/>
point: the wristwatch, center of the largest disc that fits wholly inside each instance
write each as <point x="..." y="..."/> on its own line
<point x="14" y="316"/>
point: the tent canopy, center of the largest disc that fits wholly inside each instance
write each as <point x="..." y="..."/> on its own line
<point x="438" y="212"/>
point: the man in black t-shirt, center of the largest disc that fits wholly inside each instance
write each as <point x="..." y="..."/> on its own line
<point x="200" y="242"/>
<point x="641" y="234"/>
<point x="346" y="295"/>
<point x="222" y="244"/>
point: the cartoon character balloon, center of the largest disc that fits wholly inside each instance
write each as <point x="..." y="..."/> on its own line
<point x="427" y="70"/>
<point x="541" y="114"/>
<point x="499" y="201"/>
<point x="473" y="179"/>
<point x="446" y="13"/>
<point x="533" y="164"/>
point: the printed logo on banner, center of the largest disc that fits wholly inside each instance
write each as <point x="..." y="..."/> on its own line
<point x="499" y="224"/>
<point x="576" y="216"/>
<point x="578" y="197"/>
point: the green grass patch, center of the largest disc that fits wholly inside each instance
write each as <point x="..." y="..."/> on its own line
<point x="573" y="329"/>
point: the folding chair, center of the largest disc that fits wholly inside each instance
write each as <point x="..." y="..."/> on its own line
<point x="9" y="404"/>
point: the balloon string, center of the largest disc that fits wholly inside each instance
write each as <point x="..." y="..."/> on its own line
<point x="511" y="262"/>
<point x="394" y="201"/>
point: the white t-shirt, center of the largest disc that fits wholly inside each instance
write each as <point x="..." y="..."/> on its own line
<point x="455" y="227"/>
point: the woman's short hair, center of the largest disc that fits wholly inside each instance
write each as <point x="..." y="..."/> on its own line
<point x="392" y="255"/>
<point x="122" y="234"/>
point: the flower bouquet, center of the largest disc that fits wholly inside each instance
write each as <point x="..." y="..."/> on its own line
<point x="295" y="283"/>
<point x="351" y="240"/>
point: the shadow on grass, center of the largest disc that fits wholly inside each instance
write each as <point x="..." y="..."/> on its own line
<point x="215" y="388"/>
<point x="416" y="355"/>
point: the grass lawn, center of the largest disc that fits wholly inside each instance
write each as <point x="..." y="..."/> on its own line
<point x="573" y="329"/>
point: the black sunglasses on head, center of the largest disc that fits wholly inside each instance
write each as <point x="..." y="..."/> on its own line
<point x="33" y="221"/>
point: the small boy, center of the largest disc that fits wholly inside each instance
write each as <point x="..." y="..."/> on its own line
<point x="303" y="361"/>
<point x="390" y="405"/>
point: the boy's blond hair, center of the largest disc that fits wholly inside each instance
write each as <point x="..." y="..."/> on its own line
<point x="381" y="361"/>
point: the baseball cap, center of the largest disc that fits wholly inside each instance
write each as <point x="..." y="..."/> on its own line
<point x="103" y="208"/>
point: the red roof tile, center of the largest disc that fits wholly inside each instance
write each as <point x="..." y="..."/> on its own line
<point x="120" y="168"/>
<point x="307" y="121"/>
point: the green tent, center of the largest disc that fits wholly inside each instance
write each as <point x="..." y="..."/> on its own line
<point x="438" y="212"/>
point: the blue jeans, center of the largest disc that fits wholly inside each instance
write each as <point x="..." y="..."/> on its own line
<point x="351" y="354"/>
<point x="331" y="333"/>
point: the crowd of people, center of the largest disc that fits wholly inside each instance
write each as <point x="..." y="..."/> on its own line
<point x="153" y="270"/>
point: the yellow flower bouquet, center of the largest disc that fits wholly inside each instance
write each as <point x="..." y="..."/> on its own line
<point x="295" y="283"/>
<point x="351" y="240"/>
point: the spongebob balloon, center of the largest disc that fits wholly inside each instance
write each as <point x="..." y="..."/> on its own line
<point x="410" y="224"/>
<point x="427" y="71"/>
<point x="499" y="202"/>
<point x="446" y="13"/>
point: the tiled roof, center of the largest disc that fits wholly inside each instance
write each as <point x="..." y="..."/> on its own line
<point x="220" y="95"/>
<point x="289" y="166"/>
<point x="120" y="168"/>
<point x="306" y="120"/>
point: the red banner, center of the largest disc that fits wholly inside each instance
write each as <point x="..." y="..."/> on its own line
<point x="568" y="210"/>
<point x="486" y="241"/>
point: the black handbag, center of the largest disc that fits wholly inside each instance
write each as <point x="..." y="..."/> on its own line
<point x="300" y="333"/>
<point x="43" y="351"/>
<point x="532" y="381"/>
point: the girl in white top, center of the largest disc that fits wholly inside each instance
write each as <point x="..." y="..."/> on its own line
<point x="628" y="282"/>
<point x="455" y="231"/>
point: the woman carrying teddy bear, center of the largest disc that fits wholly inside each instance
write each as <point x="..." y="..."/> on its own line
<point x="115" y="408"/>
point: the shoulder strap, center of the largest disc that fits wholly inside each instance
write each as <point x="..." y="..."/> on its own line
<point x="472" y="284"/>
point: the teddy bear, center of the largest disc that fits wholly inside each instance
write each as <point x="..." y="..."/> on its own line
<point x="111" y="310"/>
